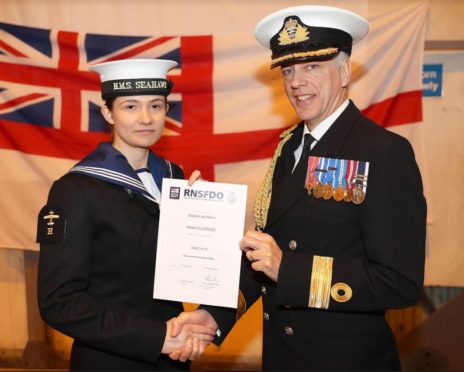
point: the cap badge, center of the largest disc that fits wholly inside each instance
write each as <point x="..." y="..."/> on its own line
<point x="293" y="32"/>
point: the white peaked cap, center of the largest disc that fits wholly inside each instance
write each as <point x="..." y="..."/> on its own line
<point x="133" y="69"/>
<point x="310" y="32"/>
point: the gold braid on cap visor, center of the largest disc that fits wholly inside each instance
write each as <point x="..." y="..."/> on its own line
<point x="263" y="197"/>
<point x="312" y="53"/>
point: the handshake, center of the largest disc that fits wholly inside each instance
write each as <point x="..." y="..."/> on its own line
<point x="188" y="335"/>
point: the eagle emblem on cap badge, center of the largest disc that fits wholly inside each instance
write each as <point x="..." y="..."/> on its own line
<point x="293" y="32"/>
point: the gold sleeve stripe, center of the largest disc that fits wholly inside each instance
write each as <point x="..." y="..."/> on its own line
<point x="321" y="282"/>
<point x="241" y="305"/>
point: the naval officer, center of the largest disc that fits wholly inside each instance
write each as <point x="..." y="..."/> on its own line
<point x="340" y="217"/>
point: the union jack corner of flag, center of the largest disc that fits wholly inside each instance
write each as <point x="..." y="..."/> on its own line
<point x="45" y="81"/>
<point x="50" y="101"/>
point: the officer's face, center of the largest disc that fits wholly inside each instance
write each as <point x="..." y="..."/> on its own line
<point x="138" y="121"/>
<point x="316" y="89"/>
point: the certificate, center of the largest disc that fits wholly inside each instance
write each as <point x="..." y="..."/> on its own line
<point x="198" y="255"/>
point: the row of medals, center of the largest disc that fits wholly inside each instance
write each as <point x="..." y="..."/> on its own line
<point x="352" y="192"/>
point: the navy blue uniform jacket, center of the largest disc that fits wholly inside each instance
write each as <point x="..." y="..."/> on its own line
<point x="96" y="283"/>
<point x="377" y="249"/>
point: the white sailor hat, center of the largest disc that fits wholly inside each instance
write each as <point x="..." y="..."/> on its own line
<point x="310" y="32"/>
<point x="130" y="77"/>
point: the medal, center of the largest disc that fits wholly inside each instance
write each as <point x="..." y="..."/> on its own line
<point x="358" y="195"/>
<point x="351" y="166"/>
<point x="328" y="191"/>
<point x="348" y="194"/>
<point x="339" y="179"/>
<point x="314" y="181"/>
<point x="328" y="187"/>
<point x="339" y="191"/>
<point x="311" y="179"/>
<point x="311" y="185"/>
<point x="318" y="189"/>
<point x="360" y="184"/>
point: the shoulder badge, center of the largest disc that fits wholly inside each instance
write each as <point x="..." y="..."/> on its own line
<point x="51" y="224"/>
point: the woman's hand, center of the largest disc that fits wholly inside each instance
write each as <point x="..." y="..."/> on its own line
<point x="195" y="176"/>
<point x="186" y="340"/>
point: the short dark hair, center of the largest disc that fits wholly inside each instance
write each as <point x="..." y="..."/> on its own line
<point x="110" y="101"/>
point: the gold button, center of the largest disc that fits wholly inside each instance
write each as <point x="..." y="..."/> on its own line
<point x="292" y="245"/>
<point x="266" y="316"/>
<point x="263" y="290"/>
<point x="289" y="331"/>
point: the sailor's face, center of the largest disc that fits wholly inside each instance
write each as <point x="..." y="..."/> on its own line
<point x="138" y="121"/>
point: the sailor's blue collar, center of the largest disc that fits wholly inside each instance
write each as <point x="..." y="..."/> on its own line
<point x="110" y="165"/>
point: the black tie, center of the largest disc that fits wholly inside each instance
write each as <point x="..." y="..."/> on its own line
<point x="308" y="140"/>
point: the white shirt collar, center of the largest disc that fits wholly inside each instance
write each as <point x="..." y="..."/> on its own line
<point x="325" y="124"/>
<point x="320" y="130"/>
<point x="149" y="183"/>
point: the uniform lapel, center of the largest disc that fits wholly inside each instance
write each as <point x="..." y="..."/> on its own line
<point x="331" y="143"/>
<point x="286" y="191"/>
<point x="282" y="175"/>
<point x="151" y="207"/>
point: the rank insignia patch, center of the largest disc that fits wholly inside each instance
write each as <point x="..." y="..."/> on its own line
<point x="51" y="224"/>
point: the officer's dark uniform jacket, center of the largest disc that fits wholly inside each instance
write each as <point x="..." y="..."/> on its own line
<point x="96" y="268"/>
<point x="377" y="249"/>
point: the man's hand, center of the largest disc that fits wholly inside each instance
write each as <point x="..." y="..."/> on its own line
<point x="189" y="343"/>
<point x="203" y="328"/>
<point x="263" y="252"/>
